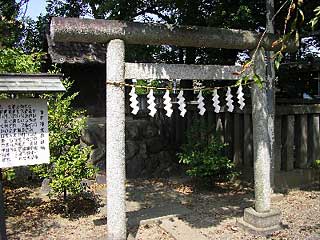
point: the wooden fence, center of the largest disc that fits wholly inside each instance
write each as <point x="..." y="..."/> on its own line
<point x="297" y="136"/>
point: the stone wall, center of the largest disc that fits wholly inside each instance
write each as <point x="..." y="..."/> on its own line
<point x="148" y="153"/>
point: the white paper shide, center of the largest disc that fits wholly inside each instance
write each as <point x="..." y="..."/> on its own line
<point x="216" y="102"/>
<point x="229" y="100"/>
<point x="24" y="137"/>
<point x="182" y="104"/>
<point x="151" y="103"/>
<point x="200" y="102"/>
<point x="167" y="103"/>
<point x="240" y="97"/>
<point x="134" y="102"/>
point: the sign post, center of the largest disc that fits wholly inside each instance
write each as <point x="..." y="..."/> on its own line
<point x="24" y="136"/>
<point x="3" y="235"/>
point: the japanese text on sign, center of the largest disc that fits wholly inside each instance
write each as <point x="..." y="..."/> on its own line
<point x="24" y="138"/>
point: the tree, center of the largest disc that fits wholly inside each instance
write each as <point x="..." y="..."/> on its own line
<point x="17" y="30"/>
<point x="229" y="14"/>
<point x="10" y="27"/>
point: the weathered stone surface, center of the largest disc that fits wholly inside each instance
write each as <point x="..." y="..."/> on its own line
<point x="134" y="166"/>
<point x="261" y="223"/>
<point x="155" y="214"/>
<point x="102" y="31"/>
<point x="164" y="161"/>
<point x="180" y="230"/>
<point x="155" y="144"/>
<point x="45" y="187"/>
<point x="101" y="178"/>
<point x="97" y="154"/>
<point x="262" y="220"/>
<point x="132" y="130"/>
<point x="150" y="131"/>
<point x="115" y="140"/>
<point x="261" y="141"/>
<point x="180" y="71"/>
<point x="146" y="148"/>
<point x="94" y="135"/>
<point x="132" y="148"/>
<point x="277" y="144"/>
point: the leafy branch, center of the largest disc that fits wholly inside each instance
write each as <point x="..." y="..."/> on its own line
<point x="294" y="16"/>
<point x="314" y="21"/>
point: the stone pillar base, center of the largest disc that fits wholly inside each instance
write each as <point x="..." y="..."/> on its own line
<point x="260" y="223"/>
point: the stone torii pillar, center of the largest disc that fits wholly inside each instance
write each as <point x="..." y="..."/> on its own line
<point x="115" y="139"/>
<point x="262" y="218"/>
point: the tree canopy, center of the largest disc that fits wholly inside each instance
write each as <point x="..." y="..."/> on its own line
<point x="18" y="30"/>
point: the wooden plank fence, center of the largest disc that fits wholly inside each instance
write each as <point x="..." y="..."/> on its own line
<point x="297" y="131"/>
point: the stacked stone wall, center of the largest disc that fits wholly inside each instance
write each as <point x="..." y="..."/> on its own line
<point x="148" y="153"/>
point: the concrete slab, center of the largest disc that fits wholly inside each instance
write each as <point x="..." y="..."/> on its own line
<point x="180" y="230"/>
<point x="150" y="215"/>
<point x="276" y="197"/>
<point x="314" y="237"/>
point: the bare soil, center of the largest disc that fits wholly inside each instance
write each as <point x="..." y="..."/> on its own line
<point x="32" y="215"/>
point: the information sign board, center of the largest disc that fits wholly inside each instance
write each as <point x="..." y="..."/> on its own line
<point x="24" y="138"/>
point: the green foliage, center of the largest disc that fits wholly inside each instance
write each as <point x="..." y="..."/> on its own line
<point x="316" y="164"/>
<point x="67" y="8"/>
<point x="68" y="170"/>
<point x="10" y="28"/>
<point x="277" y="60"/>
<point x="314" y="21"/>
<point x="16" y="61"/>
<point x="153" y="83"/>
<point x="8" y="174"/>
<point x="258" y="81"/>
<point x="34" y="34"/>
<point x="203" y="155"/>
<point x="68" y="161"/>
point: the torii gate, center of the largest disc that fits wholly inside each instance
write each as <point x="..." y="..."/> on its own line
<point x="116" y="34"/>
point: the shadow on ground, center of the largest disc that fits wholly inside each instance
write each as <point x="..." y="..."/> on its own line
<point x="198" y="207"/>
<point x="28" y="211"/>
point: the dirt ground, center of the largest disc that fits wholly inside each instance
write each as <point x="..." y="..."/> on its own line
<point x="213" y="213"/>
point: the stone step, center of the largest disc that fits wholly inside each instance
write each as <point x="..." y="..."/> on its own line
<point x="180" y="230"/>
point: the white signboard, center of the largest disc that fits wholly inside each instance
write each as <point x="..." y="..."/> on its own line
<point x="24" y="138"/>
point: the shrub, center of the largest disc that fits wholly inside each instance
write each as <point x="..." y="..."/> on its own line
<point x="16" y="61"/>
<point x="203" y="155"/>
<point x="68" y="160"/>
<point x="316" y="164"/>
<point x="8" y="174"/>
